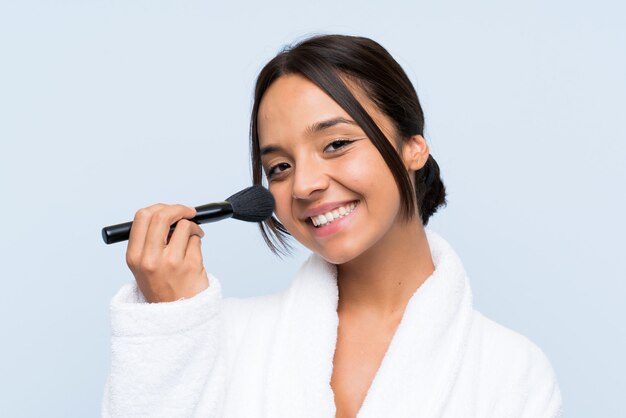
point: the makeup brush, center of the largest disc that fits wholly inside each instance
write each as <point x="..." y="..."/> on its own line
<point x="253" y="204"/>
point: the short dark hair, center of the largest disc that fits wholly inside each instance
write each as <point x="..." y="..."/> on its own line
<point x="324" y="60"/>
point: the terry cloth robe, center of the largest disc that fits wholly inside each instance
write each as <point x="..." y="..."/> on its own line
<point x="272" y="356"/>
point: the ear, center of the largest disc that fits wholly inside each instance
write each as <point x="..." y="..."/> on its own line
<point x="415" y="152"/>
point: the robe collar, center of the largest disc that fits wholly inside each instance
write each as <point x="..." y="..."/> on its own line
<point x="417" y="371"/>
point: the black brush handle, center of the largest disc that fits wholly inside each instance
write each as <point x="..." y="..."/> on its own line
<point x="206" y="213"/>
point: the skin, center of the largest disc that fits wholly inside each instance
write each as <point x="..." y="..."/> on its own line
<point x="381" y="259"/>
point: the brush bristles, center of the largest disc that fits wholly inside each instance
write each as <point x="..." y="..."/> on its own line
<point x="253" y="204"/>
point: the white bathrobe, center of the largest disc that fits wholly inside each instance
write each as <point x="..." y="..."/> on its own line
<point x="272" y="356"/>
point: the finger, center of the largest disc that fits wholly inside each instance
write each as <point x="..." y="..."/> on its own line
<point x="137" y="236"/>
<point x="160" y="222"/>
<point x="193" y="254"/>
<point x="180" y="238"/>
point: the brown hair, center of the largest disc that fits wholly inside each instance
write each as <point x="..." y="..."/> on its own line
<point x="324" y="60"/>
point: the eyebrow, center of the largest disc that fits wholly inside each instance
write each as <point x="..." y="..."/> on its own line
<point x="317" y="127"/>
<point x="325" y="124"/>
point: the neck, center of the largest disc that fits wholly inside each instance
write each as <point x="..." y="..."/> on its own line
<point x="381" y="281"/>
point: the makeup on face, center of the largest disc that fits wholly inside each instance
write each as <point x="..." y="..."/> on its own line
<point x="334" y="192"/>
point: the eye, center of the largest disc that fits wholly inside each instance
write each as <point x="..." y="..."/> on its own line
<point x="337" y="144"/>
<point x="276" y="169"/>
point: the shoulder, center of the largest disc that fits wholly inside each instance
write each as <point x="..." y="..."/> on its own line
<point x="518" y="369"/>
<point x="503" y="343"/>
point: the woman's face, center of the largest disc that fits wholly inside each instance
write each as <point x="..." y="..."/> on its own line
<point x="319" y="162"/>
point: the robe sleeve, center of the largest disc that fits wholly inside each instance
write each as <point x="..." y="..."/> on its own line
<point x="544" y="395"/>
<point x="166" y="357"/>
<point x="531" y="390"/>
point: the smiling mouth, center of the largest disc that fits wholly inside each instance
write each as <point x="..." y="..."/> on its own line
<point x="327" y="218"/>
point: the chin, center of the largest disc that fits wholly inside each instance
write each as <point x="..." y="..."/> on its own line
<point x="333" y="259"/>
<point x="341" y="255"/>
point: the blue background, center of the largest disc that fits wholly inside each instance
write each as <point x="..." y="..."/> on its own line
<point x="106" y="107"/>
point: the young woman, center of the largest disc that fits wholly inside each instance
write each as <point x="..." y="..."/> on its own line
<point x="377" y="322"/>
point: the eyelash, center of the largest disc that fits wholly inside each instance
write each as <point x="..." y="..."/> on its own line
<point x="344" y="142"/>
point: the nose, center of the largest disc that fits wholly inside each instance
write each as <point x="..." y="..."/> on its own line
<point x="309" y="178"/>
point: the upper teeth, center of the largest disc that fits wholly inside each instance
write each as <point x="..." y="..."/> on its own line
<point x="328" y="217"/>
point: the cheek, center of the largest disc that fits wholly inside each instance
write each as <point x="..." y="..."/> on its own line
<point x="360" y="171"/>
<point x="370" y="175"/>
<point x="284" y="208"/>
<point x="283" y="202"/>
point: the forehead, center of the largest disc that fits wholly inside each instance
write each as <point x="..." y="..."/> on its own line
<point x="293" y="103"/>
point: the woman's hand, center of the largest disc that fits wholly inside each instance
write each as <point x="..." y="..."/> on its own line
<point x="166" y="268"/>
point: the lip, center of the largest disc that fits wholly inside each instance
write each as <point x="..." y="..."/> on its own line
<point x="326" y="207"/>
<point x="335" y="226"/>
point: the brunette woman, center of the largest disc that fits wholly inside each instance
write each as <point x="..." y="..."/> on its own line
<point x="377" y="322"/>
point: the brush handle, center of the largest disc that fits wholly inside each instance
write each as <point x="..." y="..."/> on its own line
<point x="206" y="213"/>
